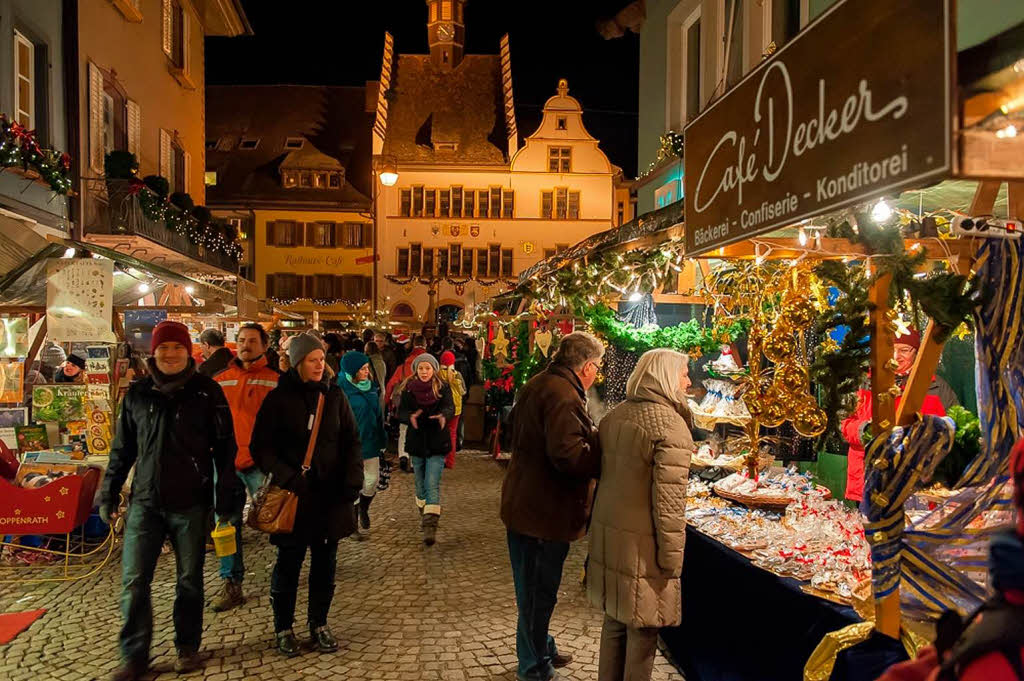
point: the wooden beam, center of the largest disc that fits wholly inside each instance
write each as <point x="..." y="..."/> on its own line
<point x="985" y="195"/>
<point x="1015" y="199"/>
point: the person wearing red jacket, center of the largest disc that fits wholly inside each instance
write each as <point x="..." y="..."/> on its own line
<point x="939" y="398"/>
<point x="392" y="400"/>
<point x="990" y="646"/>
<point x="246" y="383"/>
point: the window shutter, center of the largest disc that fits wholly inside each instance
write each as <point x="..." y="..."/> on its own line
<point x="188" y="172"/>
<point x="270" y="234"/>
<point x="270" y="278"/>
<point x="186" y="42"/>
<point x="95" y="118"/>
<point x="168" y="28"/>
<point x="134" y="113"/>
<point x="311" y="234"/>
<point x="166" y="155"/>
<point x="367" y="235"/>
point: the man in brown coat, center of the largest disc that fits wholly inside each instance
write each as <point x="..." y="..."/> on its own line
<point x="548" y="492"/>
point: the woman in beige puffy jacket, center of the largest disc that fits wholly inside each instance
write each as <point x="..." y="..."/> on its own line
<point x="639" y="527"/>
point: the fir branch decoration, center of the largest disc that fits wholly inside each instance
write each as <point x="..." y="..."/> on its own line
<point x="20" y="149"/>
<point x="690" y="337"/>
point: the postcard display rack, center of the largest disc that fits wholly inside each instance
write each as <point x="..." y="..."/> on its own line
<point x="54" y="439"/>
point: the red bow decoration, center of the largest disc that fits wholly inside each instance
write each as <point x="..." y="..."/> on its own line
<point x="135" y="185"/>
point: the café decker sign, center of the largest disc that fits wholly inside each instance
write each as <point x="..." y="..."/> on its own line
<point x="856" y="106"/>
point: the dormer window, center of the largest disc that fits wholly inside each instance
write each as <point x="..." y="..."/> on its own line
<point x="289" y="179"/>
<point x="294" y="142"/>
<point x="249" y="143"/>
<point x="311" y="179"/>
<point x="445" y="146"/>
<point x="561" y="123"/>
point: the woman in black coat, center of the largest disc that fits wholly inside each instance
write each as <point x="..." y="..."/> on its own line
<point x="326" y="491"/>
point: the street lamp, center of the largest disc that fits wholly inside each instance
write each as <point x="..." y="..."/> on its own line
<point x="387" y="172"/>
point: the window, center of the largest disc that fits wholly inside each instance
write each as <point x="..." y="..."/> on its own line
<point x="457" y="202"/>
<point x="482" y="203"/>
<point x="561" y="123"/>
<point x="403" y="310"/>
<point x="574" y="205"/>
<point x="495" y="210"/>
<point x="508" y="204"/>
<point x="446" y="10"/>
<point x="405" y="203"/>
<point x="323" y="287"/>
<point x="289" y="178"/>
<point x="442" y="261"/>
<point x="481" y="262"/>
<point x="319" y="180"/>
<point x="559" y="159"/>
<point x="402" y="269"/>
<point x="175" y="33"/>
<point x="109" y="115"/>
<point x="691" y="65"/>
<point x="211" y="145"/>
<point x="323" y="235"/>
<point x="284" y="233"/>
<point x="179" y="170"/>
<point x="506" y="262"/>
<point x="444" y="203"/>
<point x="559" y="248"/>
<point x="428" y="262"/>
<point x="24" y="78"/>
<point x="284" y="286"/>
<point x="294" y="142"/>
<point x="467" y="262"/>
<point x="249" y="143"/>
<point x="226" y="143"/>
<point x="305" y="180"/>
<point x="455" y="259"/>
<point x="210" y="178"/>
<point x="469" y="204"/>
<point x="561" y="203"/>
<point x="732" y="39"/>
<point x="782" y="22"/>
<point x="547" y="202"/>
<point x="357" y="235"/>
<point x="430" y="203"/>
<point x="334" y="180"/>
<point x="417" y="201"/>
<point x="494" y="260"/>
<point x="620" y="213"/>
<point x="415" y="259"/>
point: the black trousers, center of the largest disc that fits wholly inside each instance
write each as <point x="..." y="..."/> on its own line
<point x="284" y="582"/>
<point x="536" y="573"/>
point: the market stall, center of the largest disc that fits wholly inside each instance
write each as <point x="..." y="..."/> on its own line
<point x="816" y="261"/>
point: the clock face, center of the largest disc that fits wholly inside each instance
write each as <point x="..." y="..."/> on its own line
<point x="445" y="32"/>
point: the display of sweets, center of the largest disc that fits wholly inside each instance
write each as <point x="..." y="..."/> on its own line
<point x="722" y="400"/>
<point x="775" y="488"/>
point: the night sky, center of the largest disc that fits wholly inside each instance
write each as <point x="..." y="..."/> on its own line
<point x="340" y="42"/>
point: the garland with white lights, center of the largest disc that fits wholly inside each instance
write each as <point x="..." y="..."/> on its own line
<point x="19" y="149"/>
<point x="321" y="302"/>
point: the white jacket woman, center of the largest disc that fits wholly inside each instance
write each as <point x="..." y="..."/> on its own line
<point x="638" y="528"/>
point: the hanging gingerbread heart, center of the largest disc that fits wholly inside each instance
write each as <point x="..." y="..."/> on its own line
<point x="543" y="341"/>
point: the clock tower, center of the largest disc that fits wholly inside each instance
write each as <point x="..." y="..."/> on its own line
<point x="446" y="32"/>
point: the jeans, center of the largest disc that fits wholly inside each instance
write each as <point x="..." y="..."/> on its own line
<point x="627" y="653"/>
<point x="233" y="567"/>
<point x="371" y="474"/>
<point x="427" y="476"/>
<point x="537" y="573"/>
<point x="284" y="583"/>
<point x="144" y="534"/>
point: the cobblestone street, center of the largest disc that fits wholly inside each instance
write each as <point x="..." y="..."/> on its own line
<point x="401" y="610"/>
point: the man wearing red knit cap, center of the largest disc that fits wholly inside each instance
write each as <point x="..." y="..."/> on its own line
<point x="175" y="428"/>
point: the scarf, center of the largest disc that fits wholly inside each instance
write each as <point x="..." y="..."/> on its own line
<point x="169" y="384"/>
<point x="363" y="385"/>
<point x="422" y="392"/>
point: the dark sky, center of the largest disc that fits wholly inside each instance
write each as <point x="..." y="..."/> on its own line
<point x="340" y="42"/>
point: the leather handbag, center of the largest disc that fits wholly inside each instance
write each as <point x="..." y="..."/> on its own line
<point x="274" y="508"/>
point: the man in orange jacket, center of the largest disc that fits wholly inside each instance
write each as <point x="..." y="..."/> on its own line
<point x="246" y="382"/>
<point x="939" y="398"/>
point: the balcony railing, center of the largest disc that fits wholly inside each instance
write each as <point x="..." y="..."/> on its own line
<point x="112" y="210"/>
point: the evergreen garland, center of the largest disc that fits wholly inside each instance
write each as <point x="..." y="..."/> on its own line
<point x="689" y="337"/>
<point x="19" y="149"/>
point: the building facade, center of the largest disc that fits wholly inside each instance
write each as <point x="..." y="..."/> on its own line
<point x="141" y="87"/>
<point x="472" y="207"/>
<point x="290" y="167"/>
<point x="32" y="57"/>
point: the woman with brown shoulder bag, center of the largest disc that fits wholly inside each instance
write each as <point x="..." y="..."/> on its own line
<point x="303" y="408"/>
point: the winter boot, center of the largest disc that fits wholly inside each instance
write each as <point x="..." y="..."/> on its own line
<point x="364" y="512"/>
<point x="130" y="671"/>
<point x="188" y="660"/>
<point x="287" y="644"/>
<point x="230" y="596"/>
<point x="430" y="521"/>
<point x="405" y="464"/>
<point x="322" y="639"/>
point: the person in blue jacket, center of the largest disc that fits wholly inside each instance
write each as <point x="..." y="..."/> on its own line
<point x="363" y="395"/>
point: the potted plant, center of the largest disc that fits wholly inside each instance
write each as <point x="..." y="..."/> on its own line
<point x="119" y="168"/>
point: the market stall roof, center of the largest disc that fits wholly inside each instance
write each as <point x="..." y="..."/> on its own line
<point x="25" y="284"/>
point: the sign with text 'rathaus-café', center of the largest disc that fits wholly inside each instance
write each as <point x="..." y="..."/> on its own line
<point x="858" y="105"/>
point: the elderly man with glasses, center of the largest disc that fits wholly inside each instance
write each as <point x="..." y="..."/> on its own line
<point x="548" y="493"/>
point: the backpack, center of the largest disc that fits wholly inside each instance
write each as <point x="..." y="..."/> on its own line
<point x="1000" y="630"/>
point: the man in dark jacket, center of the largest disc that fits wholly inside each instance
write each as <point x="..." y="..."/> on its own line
<point x="548" y="492"/>
<point x="175" y="428"/>
<point x="216" y="357"/>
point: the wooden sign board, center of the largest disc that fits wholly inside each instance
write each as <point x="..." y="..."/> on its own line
<point x="858" y="105"/>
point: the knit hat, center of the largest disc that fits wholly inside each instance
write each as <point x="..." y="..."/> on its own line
<point x="52" y="355"/>
<point x="447" y="358"/>
<point x="425" y="357"/>
<point x="402" y="339"/>
<point x="171" y="332"/>
<point x="300" y="346"/>
<point x="352" y="362"/>
<point x="77" y="361"/>
<point x="911" y="338"/>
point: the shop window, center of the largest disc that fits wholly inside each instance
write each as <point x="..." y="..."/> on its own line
<point x="417" y="201"/>
<point x="508" y="204"/>
<point x="559" y="159"/>
<point x="405" y="203"/>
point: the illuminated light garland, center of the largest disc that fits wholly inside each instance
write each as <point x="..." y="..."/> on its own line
<point x="323" y="302"/>
<point x="19" y="149"/>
